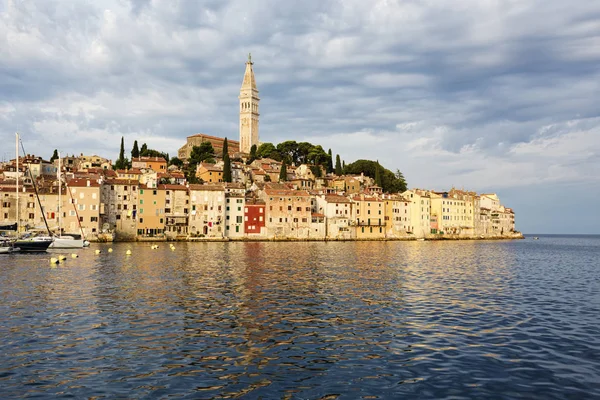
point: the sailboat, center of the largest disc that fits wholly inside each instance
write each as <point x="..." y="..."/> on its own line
<point x="65" y="241"/>
<point x="28" y="242"/>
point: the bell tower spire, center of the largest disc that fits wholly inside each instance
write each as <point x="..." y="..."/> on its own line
<point x="248" y="109"/>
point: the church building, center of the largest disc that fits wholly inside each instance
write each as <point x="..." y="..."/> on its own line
<point x="248" y="122"/>
<point x="248" y="110"/>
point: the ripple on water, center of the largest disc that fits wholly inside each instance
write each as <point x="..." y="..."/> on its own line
<point x="306" y="320"/>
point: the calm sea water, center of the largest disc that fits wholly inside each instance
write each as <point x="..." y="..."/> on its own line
<point x="514" y="319"/>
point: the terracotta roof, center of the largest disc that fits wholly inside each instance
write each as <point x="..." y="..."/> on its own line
<point x="83" y="183"/>
<point x="334" y="198"/>
<point x="135" y="171"/>
<point x="145" y="158"/>
<point x="279" y="192"/>
<point x="172" y="187"/>
<point x="214" y="137"/>
<point x="210" y="188"/>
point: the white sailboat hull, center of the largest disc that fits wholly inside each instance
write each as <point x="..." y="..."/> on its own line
<point x="68" y="243"/>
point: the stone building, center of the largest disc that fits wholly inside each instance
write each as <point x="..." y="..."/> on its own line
<point x="217" y="143"/>
<point x="207" y="213"/>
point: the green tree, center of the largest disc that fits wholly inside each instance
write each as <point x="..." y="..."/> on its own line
<point x="288" y="151"/>
<point x="378" y="180"/>
<point x="176" y="161"/>
<point x="135" y="152"/>
<point x="268" y="150"/>
<point x="122" y="162"/>
<point x="283" y="173"/>
<point x="316" y="170"/>
<point x="338" y="166"/>
<point x="390" y="182"/>
<point x="304" y="149"/>
<point x="227" y="174"/>
<point x="330" y="162"/>
<point x="144" y="150"/>
<point x="225" y="150"/>
<point x="400" y="181"/>
<point x="203" y="153"/>
<point x="252" y="154"/>
<point x="54" y="155"/>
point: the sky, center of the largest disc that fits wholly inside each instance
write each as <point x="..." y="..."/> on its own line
<point x="487" y="95"/>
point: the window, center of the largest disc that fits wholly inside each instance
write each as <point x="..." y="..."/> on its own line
<point x="141" y="220"/>
<point x="31" y="216"/>
<point x="93" y="219"/>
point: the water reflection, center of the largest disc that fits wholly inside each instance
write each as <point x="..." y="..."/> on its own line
<point x="305" y="320"/>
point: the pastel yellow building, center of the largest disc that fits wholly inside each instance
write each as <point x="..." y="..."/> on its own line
<point x="369" y="217"/>
<point x="151" y="211"/>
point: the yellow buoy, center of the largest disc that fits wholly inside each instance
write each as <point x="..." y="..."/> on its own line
<point x="54" y="260"/>
<point x="62" y="258"/>
<point x="74" y="255"/>
<point x="97" y="251"/>
<point x="110" y="250"/>
<point x="128" y="252"/>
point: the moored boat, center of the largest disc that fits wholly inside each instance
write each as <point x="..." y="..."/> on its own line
<point x="68" y="242"/>
<point x="7" y="246"/>
<point x="33" y="244"/>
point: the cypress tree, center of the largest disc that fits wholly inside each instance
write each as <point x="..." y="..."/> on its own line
<point x="135" y="152"/>
<point x="54" y="155"/>
<point x="252" y="154"/>
<point x="225" y="151"/>
<point x="144" y="150"/>
<point x="121" y="162"/>
<point x="330" y="162"/>
<point x="283" y="173"/>
<point x="338" y="166"/>
<point x="227" y="168"/>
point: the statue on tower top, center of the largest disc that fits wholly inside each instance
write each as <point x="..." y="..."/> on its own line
<point x="250" y="58"/>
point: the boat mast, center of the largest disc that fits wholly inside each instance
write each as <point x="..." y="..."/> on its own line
<point x="59" y="198"/>
<point x="17" y="180"/>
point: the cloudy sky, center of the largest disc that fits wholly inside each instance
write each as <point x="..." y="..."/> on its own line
<point x="488" y="95"/>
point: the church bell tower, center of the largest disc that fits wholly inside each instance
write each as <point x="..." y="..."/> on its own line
<point x="248" y="109"/>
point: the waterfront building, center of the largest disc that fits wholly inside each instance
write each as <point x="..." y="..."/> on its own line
<point x="254" y="218"/>
<point x="338" y="213"/>
<point x="151" y="211"/>
<point x="420" y="212"/>
<point x="234" y="210"/>
<point x="369" y="214"/>
<point x="248" y="110"/>
<point x="207" y="213"/>
<point x="454" y="213"/>
<point x="489" y="201"/>
<point x="397" y="216"/>
<point x="288" y="213"/>
<point x="177" y="204"/>
<point x="120" y="198"/>
<point x="83" y="204"/>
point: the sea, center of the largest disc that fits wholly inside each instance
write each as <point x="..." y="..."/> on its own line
<point x="305" y="320"/>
